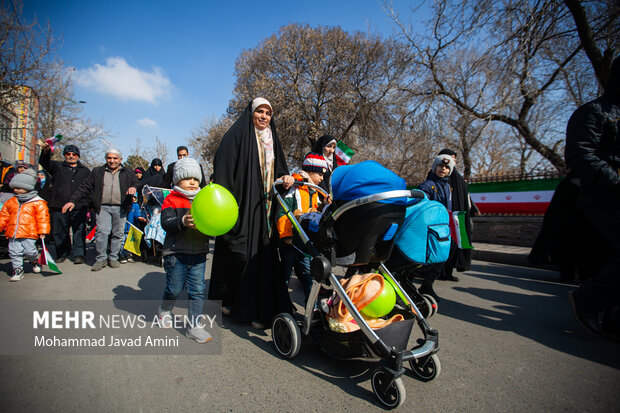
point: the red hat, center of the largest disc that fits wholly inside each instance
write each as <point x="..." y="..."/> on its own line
<point x="314" y="162"/>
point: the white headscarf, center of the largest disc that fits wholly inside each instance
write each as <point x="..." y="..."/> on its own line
<point x="265" y="135"/>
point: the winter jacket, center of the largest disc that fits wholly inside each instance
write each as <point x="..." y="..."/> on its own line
<point x="438" y="189"/>
<point x="65" y="180"/>
<point x="593" y="145"/>
<point x="180" y="239"/>
<point x="300" y="198"/>
<point x="27" y="220"/>
<point x="92" y="188"/>
<point x="132" y="216"/>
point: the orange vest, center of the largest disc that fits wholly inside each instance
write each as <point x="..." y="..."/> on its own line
<point x="301" y="196"/>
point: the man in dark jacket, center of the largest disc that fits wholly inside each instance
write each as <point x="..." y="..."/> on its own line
<point x="593" y="154"/>
<point x="182" y="152"/>
<point x="109" y="188"/>
<point x="66" y="178"/>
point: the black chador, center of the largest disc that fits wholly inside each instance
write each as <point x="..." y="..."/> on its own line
<point x="246" y="271"/>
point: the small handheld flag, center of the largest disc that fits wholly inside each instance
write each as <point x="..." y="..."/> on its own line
<point x="52" y="141"/>
<point x="459" y="232"/>
<point x="91" y="234"/>
<point x="132" y="243"/>
<point x="343" y="153"/>
<point x="46" y="259"/>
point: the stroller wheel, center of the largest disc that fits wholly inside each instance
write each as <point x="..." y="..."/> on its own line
<point x="286" y="335"/>
<point x="426" y="368"/>
<point x="393" y="396"/>
<point x="433" y="304"/>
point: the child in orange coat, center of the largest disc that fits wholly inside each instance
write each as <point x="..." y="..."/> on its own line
<point x="24" y="218"/>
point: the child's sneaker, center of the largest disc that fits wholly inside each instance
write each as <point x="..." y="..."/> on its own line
<point x="165" y="318"/>
<point x="36" y="268"/>
<point x="122" y="259"/>
<point x="198" y="334"/>
<point x="18" y="274"/>
<point x="130" y="259"/>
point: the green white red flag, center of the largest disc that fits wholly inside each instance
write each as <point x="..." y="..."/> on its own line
<point x="531" y="197"/>
<point x="46" y="259"/>
<point x="343" y="153"/>
<point x="459" y="232"/>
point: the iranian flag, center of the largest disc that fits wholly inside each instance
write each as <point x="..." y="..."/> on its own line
<point x="458" y="232"/>
<point x="46" y="259"/>
<point x="514" y="197"/>
<point x="343" y="153"/>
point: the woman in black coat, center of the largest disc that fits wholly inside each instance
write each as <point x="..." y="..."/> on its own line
<point x="246" y="273"/>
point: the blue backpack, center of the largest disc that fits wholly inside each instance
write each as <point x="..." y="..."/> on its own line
<point x="424" y="237"/>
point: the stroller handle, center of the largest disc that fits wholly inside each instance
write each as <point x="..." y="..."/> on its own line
<point x="404" y="193"/>
<point x="300" y="183"/>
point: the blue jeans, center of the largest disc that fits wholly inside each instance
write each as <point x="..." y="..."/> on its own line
<point x="20" y="248"/>
<point x="110" y="224"/>
<point x="293" y="258"/>
<point x="185" y="270"/>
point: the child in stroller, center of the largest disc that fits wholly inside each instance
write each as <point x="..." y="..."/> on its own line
<point x="356" y="230"/>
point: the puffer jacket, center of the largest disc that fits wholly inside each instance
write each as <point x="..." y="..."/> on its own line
<point x="179" y="238"/>
<point x="27" y="220"/>
<point x="593" y="145"/>
<point x="300" y="198"/>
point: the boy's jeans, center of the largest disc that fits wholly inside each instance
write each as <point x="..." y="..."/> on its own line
<point x="292" y="258"/>
<point x="20" y="248"/>
<point x="181" y="270"/>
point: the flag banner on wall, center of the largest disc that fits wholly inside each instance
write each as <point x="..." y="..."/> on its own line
<point x="531" y="197"/>
<point x="343" y="153"/>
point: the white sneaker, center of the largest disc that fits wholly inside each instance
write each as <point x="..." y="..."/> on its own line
<point x="164" y="318"/>
<point x="18" y="274"/>
<point x="36" y="268"/>
<point x="198" y="334"/>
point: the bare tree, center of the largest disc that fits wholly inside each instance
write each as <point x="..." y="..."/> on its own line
<point x="207" y="136"/>
<point x="25" y="50"/>
<point x="60" y="113"/>
<point x="517" y="54"/>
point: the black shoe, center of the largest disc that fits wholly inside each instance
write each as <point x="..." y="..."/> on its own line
<point x="449" y="278"/>
<point x="160" y="261"/>
<point x="428" y="289"/>
<point x="588" y="319"/>
<point x="60" y="259"/>
<point x="78" y="259"/>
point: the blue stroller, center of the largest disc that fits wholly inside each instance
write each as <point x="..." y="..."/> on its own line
<point x="357" y="231"/>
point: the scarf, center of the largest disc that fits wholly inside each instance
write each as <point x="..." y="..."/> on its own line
<point x="330" y="161"/>
<point x="187" y="194"/>
<point x="21" y="198"/>
<point x="266" y="139"/>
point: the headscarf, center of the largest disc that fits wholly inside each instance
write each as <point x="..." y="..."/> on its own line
<point x="320" y="144"/>
<point x="265" y="135"/>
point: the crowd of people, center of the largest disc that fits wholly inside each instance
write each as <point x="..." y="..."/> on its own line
<point x="253" y="262"/>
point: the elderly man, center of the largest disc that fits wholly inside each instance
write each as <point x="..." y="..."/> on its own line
<point x="109" y="188"/>
<point x="182" y="152"/>
<point x="66" y="178"/>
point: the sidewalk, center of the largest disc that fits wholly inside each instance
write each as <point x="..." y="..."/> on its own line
<point x="503" y="254"/>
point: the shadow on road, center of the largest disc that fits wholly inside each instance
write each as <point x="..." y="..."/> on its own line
<point x="541" y="314"/>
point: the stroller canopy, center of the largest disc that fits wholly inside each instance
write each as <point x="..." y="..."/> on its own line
<point x="351" y="182"/>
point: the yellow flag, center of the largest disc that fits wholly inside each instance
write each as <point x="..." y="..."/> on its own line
<point x="132" y="243"/>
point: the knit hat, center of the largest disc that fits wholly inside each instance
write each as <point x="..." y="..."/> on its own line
<point x="25" y="180"/>
<point x="71" y="148"/>
<point x="314" y="162"/>
<point x="186" y="168"/>
<point x="446" y="160"/>
<point x="260" y="101"/>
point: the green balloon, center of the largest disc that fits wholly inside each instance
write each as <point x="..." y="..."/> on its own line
<point x="214" y="210"/>
<point x="383" y="304"/>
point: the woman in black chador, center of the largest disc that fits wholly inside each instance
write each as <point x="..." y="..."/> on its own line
<point x="246" y="272"/>
<point x="326" y="146"/>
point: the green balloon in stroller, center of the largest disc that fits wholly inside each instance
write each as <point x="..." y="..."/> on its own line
<point x="357" y="232"/>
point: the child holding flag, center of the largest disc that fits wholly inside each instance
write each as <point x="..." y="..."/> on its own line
<point x="300" y="200"/>
<point x="131" y="244"/>
<point x="24" y="218"/>
<point x="185" y="250"/>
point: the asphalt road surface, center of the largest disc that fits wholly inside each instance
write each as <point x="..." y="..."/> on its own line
<point x="508" y="343"/>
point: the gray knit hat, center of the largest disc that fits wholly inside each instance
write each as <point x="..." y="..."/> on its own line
<point x="186" y="168"/>
<point x="446" y="160"/>
<point x="25" y="180"/>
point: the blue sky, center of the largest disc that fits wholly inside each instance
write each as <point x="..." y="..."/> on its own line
<point x="159" y="68"/>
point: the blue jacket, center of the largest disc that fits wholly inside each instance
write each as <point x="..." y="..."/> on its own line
<point x="438" y="189"/>
<point x="132" y="216"/>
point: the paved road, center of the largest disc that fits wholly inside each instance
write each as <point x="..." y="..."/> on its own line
<point x="508" y="343"/>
